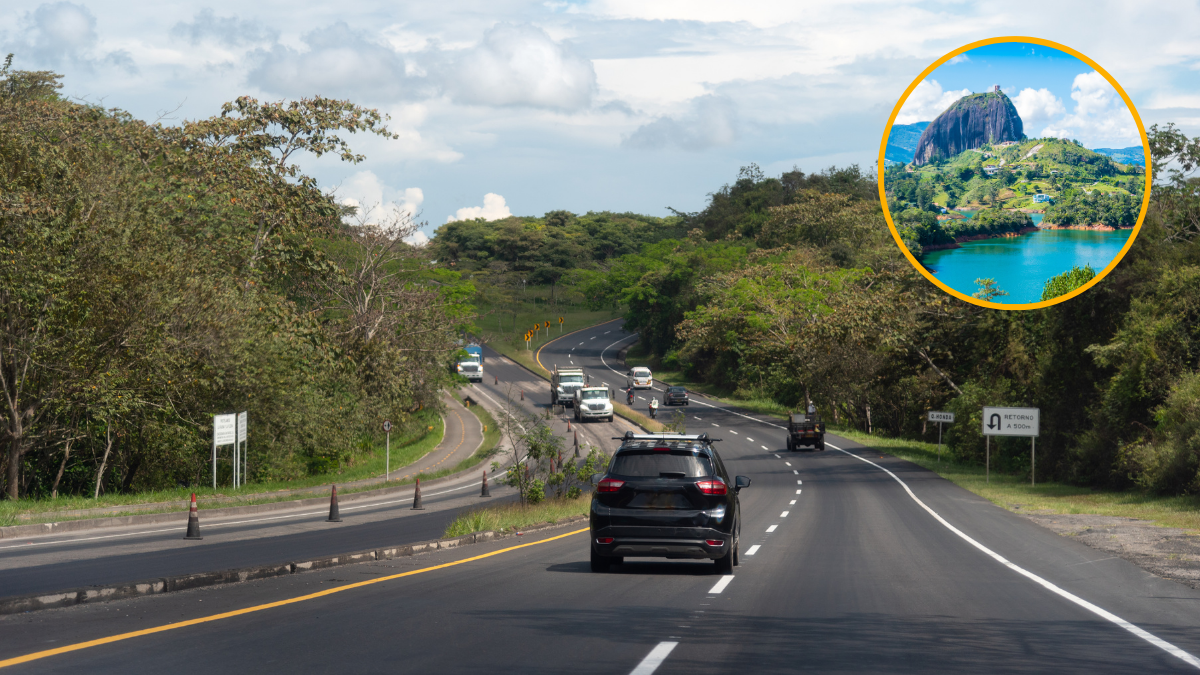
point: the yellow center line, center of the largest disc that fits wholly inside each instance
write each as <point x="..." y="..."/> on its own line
<point x="258" y="608"/>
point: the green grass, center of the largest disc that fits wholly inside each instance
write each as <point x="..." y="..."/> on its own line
<point x="47" y="510"/>
<point x="513" y="517"/>
<point x="1014" y="491"/>
<point x="491" y="438"/>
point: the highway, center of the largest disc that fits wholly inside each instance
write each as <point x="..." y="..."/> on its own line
<point x="851" y="562"/>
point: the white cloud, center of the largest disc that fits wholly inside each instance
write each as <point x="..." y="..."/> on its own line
<point x="961" y="58"/>
<point x="928" y="101"/>
<point x="336" y="61"/>
<point x="229" y="31"/>
<point x="1100" y="118"/>
<point x="1037" y="106"/>
<point x="711" y="121"/>
<point x="522" y="65"/>
<point x="378" y="203"/>
<point x="493" y="208"/>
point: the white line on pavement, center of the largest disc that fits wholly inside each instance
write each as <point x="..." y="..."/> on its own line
<point x="654" y="659"/>
<point x="797" y="492"/>
<point x="772" y="528"/>
<point x="753" y="549"/>
<point x="696" y="417"/>
<point x="799" y="482"/>
<point x="750" y="439"/>
<point x="732" y="431"/>
<point x="1098" y="611"/>
<point x="793" y="502"/>
<point x="788" y="463"/>
<point x="778" y="457"/>
<point x="765" y="448"/>
<point x="720" y="585"/>
<point x="784" y="514"/>
<point x="795" y="471"/>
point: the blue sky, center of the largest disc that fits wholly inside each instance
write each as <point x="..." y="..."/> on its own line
<point x="1056" y="94"/>
<point x="526" y="106"/>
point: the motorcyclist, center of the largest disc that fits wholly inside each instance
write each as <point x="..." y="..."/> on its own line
<point x="812" y="409"/>
<point x="629" y="395"/>
<point x="653" y="407"/>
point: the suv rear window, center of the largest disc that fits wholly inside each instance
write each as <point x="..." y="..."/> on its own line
<point x="677" y="390"/>
<point x="653" y="464"/>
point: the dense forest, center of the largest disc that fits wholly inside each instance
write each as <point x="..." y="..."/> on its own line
<point x="155" y="275"/>
<point x="791" y="289"/>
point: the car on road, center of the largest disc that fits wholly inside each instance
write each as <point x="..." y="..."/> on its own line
<point x="470" y="370"/>
<point x="675" y="396"/>
<point x="640" y="378"/>
<point x="805" y="430"/>
<point x="593" y="403"/>
<point x="666" y="496"/>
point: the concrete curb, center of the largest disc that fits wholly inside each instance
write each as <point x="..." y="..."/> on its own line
<point x="80" y="596"/>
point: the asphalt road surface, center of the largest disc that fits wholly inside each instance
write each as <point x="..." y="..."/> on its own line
<point x="851" y="562"/>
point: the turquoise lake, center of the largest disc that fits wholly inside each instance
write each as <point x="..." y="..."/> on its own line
<point x="1021" y="265"/>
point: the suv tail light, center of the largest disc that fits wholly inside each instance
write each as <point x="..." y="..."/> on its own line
<point x="714" y="542"/>
<point x="604" y="540"/>
<point x="713" y="486"/>
<point x="610" y="485"/>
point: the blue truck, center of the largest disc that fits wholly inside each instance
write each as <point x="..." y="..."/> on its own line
<point x="474" y="353"/>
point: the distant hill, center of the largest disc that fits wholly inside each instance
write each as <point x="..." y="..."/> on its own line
<point x="902" y="141"/>
<point x="1131" y="155"/>
<point x="971" y="122"/>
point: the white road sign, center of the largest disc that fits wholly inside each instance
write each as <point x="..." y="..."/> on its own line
<point x="223" y="432"/>
<point x="1011" y="421"/>
<point x="935" y="416"/>
<point x="241" y="426"/>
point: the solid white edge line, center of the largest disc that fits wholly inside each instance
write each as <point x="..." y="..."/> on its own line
<point x="720" y="585"/>
<point x="753" y="549"/>
<point x="654" y="659"/>
<point x="1102" y="613"/>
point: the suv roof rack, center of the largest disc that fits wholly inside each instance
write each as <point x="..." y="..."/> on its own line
<point x="667" y="436"/>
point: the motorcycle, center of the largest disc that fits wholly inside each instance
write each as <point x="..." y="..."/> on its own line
<point x="629" y="398"/>
<point x="653" y="408"/>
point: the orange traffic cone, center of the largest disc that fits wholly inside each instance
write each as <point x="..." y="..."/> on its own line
<point x="334" y="517"/>
<point x="193" y="529"/>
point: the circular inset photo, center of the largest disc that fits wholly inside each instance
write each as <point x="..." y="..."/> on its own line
<point x="1014" y="173"/>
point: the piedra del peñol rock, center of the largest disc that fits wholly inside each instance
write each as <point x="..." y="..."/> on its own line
<point x="971" y="122"/>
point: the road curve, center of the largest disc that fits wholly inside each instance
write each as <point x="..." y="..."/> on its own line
<point x="848" y="566"/>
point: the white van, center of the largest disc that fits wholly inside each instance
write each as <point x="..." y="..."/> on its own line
<point x="640" y="378"/>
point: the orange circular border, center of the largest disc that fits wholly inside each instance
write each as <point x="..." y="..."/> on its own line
<point x="883" y="194"/>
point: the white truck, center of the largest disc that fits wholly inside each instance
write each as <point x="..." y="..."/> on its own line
<point x="564" y="382"/>
<point x="592" y="403"/>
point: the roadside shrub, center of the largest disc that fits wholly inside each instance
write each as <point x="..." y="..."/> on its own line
<point x="1169" y="461"/>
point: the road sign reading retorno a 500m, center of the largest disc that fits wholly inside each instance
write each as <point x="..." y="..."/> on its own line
<point x="1011" y="421"/>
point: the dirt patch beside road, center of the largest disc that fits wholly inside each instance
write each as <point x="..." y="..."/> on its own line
<point x="1167" y="552"/>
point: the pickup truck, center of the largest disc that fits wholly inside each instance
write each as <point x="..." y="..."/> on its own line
<point x="805" y="429"/>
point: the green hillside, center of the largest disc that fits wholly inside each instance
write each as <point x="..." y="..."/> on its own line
<point x="1010" y="176"/>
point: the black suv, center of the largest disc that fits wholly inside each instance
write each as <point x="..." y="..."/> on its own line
<point x="675" y="396"/>
<point x="666" y="496"/>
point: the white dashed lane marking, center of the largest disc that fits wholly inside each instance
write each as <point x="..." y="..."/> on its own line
<point x="795" y="471"/>
<point x="784" y="514"/>
<point x="788" y="463"/>
<point x="753" y="549"/>
<point x="750" y="439"/>
<point x="720" y="585"/>
<point x="772" y="528"/>
<point x="654" y="659"/>
<point x="778" y="457"/>
<point x="765" y="448"/>
<point x="793" y="502"/>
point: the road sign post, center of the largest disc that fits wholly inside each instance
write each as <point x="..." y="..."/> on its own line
<point x="940" y="418"/>
<point x="242" y="421"/>
<point x="387" y="461"/>
<point x="224" y="433"/>
<point x="1023" y="422"/>
<point x="560" y="325"/>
